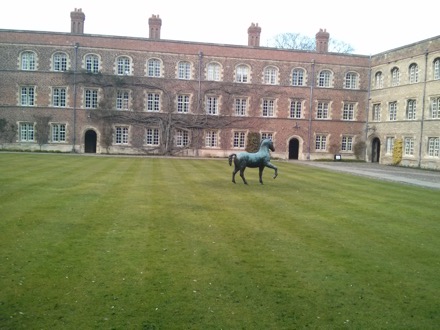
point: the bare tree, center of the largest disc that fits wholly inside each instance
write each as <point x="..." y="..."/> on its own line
<point x="7" y="132"/>
<point x="43" y="130"/>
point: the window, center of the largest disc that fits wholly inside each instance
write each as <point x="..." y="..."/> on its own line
<point x="295" y="109"/>
<point x="266" y="135"/>
<point x="389" y="145"/>
<point x="240" y="105"/>
<point x="378" y="80"/>
<point x="92" y="63"/>
<point x="184" y="70"/>
<point x="212" y="105"/>
<point x="121" y="135"/>
<point x="182" y="138"/>
<point x="91" y="98"/>
<point x="324" y="78"/>
<point x="413" y="73"/>
<point x="58" y="133"/>
<point x="409" y="146"/>
<point x="213" y="72"/>
<point x="59" y="62"/>
<point x="242" y="74"/>
<point x="437" y="69"/>
<point x="154" y="67"/>
<point x="211" y="139"/>
<point x="27" y="96"/>
<point x="320" y="142"/>
<point x="59" y="97"/>
<point x="270" y="75"/>
<point x="123" y="65"/>
<point x="268" y="108"/>
<point x="298" y="77"/>
<point x="376" y="112"/>
<point x="434" y="146"/>
<point x="153" y="102"/>
<point x="435" y="108"/>
<point x="392" y="111"/>
<point x="347" y="143"/>
<point x="183" y="103"/>
<point x="27" y="132"/>
<point x="122" y="100"/>
<point x="348" y="111"/>
<point x="152" y="138"/>
<point x="395" y="77"/>
<point x="239" y="139"/>
<point x="28" y="61"/>
<point x="411" y="109"/>
<point x="351" y="80"/>
<point x="322" y="111"/>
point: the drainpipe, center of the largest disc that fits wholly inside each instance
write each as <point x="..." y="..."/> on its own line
<point x="312" y="84"/>
<point x="419" y="163"/>
<point x="199" y="95"/>
<point x="367" y="123"/>
<point x="74" y="96"/>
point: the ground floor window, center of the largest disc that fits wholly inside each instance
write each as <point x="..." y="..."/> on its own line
<point x="239" y="139"/>
<point x="434" y="146"/>
<point x="58" y="132"/>
<point x="152" y="137"/>
<point x="211" y="139"/>
<point x="320" y="142"/>
<point x="121" y="135"/>
<point x="347" y="143"/>
<point x="182" y="138"/>
<point x="389" y="145"/>
<point x="27" y="132"/>
<point x="409" y="146"/>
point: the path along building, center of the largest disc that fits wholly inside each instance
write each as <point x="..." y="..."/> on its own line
<point x="77" y="92"/>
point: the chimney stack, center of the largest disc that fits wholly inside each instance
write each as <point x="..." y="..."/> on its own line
<point x="322" y="38"/>
<point x="77" y="18"/>
<point x="155" y="24"/>
<point x="254" y="32"/>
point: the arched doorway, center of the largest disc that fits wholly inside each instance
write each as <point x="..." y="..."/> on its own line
<point x="293" y="148"/>
<point x="375" y="150"/>
<point x="90" y="142"/>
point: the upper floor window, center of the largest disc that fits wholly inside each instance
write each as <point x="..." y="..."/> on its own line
<point x="324" y="78"/>
<point x="154" y="67"/>
<point x="322" y="110"/>
<point x="271" y="75"/>
<point x="58" y="133"/>
<point x="92" y="63"/>
<point x="239" y="139"/>
<point x="184" y="70"/>
<point x="434" y="146"/>
<point x="435" y="108"/>
<point x="59" y="97"/>
<point x="298" y="77"/>
<point x="123" y="65"/>
<point x="213" y="72"/>
<point x="395" y="77"/>
<point x="28" y="61"/>
<point x="320" y="142"/>
<point x="295" y="109"/>
<point x="122" y="100"/>
<point x="437" y="69"/>
<point x="268" y="108"/>
<point x="413" y="73"/>
<point x="378" y="80"/>
<point x="212" y="105"/>
<point x="183" y="103"/>
<point x="351" y="80"/>
<point x="376" y="112"/>
<point x="348" y="111"/>
<point x="392" y="111"/>
<point x="27" y="96"/>
<point x="411" y="109"/>
<point x="240" y="106"/>
<point x="59" y="62"/>
<point x="347" y="143"/>
<point x="242" y="74"/>
<point x="26" y="132"/>
<point x="121" y="135"/>
<point x="182" y="138"/>
<point x="91" y="98"/>
<point x="153" y="102"/>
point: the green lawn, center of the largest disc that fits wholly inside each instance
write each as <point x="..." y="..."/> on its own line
<point x="156" y="243"/>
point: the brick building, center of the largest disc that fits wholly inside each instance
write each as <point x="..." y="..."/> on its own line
<point x="108" y="94"/>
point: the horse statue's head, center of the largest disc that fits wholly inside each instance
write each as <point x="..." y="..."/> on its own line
<point x="267" y="143"/>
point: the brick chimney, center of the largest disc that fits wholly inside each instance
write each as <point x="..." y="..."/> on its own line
<point x="254" y="32"/>
<point x="322" y="38"/>
<point x="77" y="18"/>
<point x="155" y="23"/>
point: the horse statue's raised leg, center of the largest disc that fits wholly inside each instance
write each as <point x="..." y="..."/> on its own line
<point x="272" y="166"/>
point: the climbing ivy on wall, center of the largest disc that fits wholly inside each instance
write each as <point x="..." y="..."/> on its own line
<point x="253" y="142"/>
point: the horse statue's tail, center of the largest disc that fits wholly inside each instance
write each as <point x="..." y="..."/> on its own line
<point x="231" y="157"/>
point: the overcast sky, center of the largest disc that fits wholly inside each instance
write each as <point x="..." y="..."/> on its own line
<point x="370" y="27"/>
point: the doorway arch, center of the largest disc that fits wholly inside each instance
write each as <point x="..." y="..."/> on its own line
<point x="293" y="148"/>
<point x="375" y="150"/>
<point x="90" y="142"/>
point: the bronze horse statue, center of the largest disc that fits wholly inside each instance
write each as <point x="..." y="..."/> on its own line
<point x="259" y="159"/>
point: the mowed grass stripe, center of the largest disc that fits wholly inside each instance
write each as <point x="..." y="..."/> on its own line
<point x="169" y="243"/>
